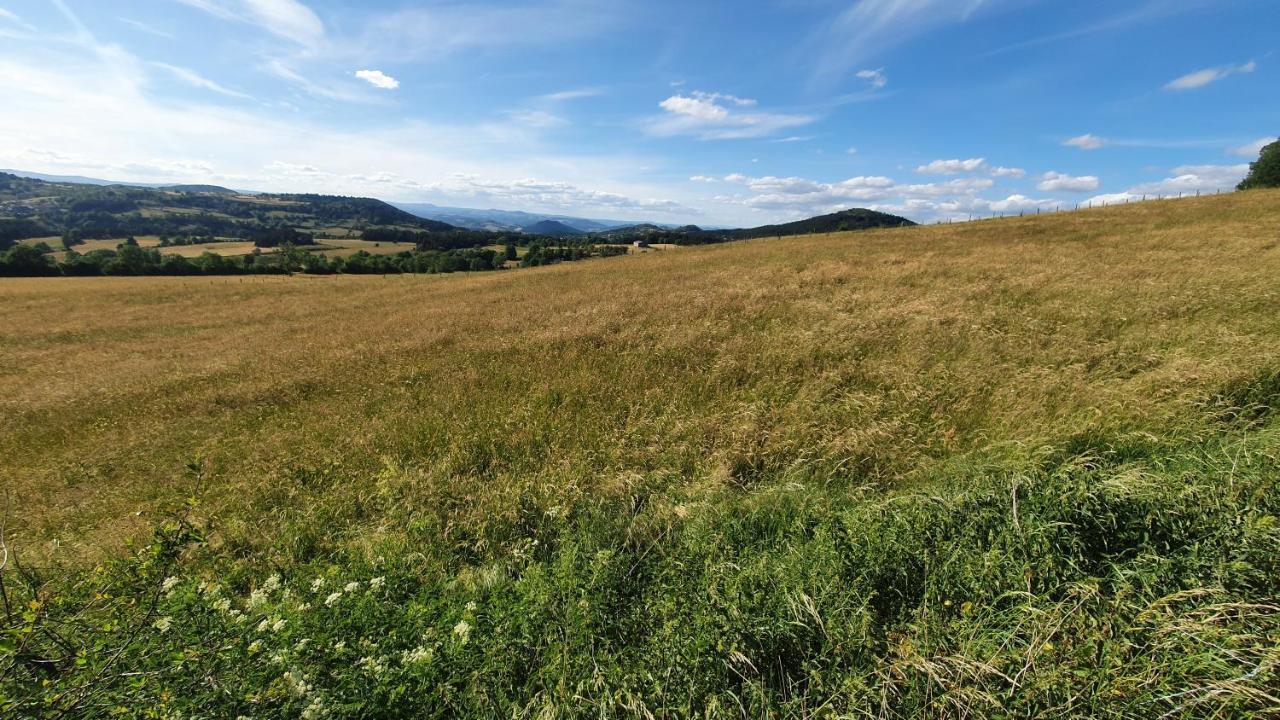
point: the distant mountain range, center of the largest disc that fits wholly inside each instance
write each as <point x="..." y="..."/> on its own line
<point x="37" y="205"/>
<point x="81" y="180"/>
<point x="508" y="220"/>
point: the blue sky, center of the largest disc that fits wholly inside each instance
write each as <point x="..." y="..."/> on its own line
<point x="715" y="112"/>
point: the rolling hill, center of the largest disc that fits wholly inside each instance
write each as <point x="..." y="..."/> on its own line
<point x="1014" y="468"/>
<point x="35" y="208"/>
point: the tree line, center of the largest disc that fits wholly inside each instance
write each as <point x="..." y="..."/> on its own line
<point x="129" y="259"/>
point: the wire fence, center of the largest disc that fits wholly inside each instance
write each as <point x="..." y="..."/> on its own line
<point x="1077" y="207"/>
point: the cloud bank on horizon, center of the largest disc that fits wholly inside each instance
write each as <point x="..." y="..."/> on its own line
<point x="933" y="109"/>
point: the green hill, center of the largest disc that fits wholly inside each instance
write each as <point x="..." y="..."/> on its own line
<point x="36" y="208"/>
<point x="1019" y="468"/>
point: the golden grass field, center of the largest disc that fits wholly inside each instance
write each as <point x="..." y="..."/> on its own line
<point x="880" y="352"/>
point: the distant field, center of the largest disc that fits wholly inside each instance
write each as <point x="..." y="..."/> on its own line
<point x="1018" y="468"/>
<point x="344" y="248"/>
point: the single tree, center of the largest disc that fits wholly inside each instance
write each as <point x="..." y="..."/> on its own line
<point x="1265" y="173"/>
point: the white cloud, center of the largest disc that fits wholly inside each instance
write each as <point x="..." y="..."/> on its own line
<point x="378" y="79"/>
<point x="951" y="167"/>
<point x="430" y="30"/>
<point x="1201" y="78"/>
<point x="81" y="109"/>
<point x="143" y="27"/>
<point x="717" y="116"/>
<point x="566" y="95"/>
<point x="1185" y="180"/>
<point x="971" y="165"/>
<point x="851" y="151"/>
<point x="194" y="79"/>
<point x="1253" y="149"/>
<point x="288" y="19"/>
<point x="1086" y="142"/>
<point x="1195" y="178"/>
<point x="875" y="77"/>
<point x="12" y="18"/>
<point x="340" y="92"/>
<point x="702" y="179"/>
<point x="798" y="197"/>
<point x="536" y="119"/>
<point x="1060" y="182"/>
<point x="866" y="28"/>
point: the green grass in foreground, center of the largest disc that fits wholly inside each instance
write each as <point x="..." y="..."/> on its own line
<point x="1018" y="469"/>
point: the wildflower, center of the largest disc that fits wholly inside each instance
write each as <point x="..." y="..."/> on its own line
<point x="297" y="683"/>
<point x="416" y="655"/>
<point x="372" y="664"/>
<point x="462" y="630"/>
<point x="277" y="626"/>
<point x="256" y="598"/>
<point x="340" y="646"/>
<point x="255" y="646"/>
<point x="314" y="710"/>
<point x="222" y="604"/>
<point x="303" y="607"/>
<point x="351" y="587"/>
<point x="236" y="616"/>
<point x="317" y="584"/>
<point x="333" y="598"/>
<point x="377" y="583"/>
<point x="169" y="584"/>
<point x="163" y="624"/>
<point x="272" y="583"/>
<point x="471" y="606"/>
<point x="302" y="645"/>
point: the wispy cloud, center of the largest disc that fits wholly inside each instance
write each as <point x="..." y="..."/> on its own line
<point x="6" y="16"/>
<point x="876" y="78"/>
<point x="567" y="95"/>
<point x="1201" y="78"/>
<point x="439" y="29"/>
<point x="148" y="29"/>
<point x="195" y="79"/>
<point x="867" y="28"/>
<point x="718" y="116"/>
<point x="288" y="19"/>
<point x="1151" y="11"/>
<point x="1251" y="150"/>
<point x="1088" y="141"/>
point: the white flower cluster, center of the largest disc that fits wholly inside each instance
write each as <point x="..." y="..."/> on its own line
<point x="417" y="655"/>
<point x="163" y="624"/>
<point x="169" y="584"/>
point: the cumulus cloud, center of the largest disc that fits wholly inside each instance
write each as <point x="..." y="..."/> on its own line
<point x="971" y="165"/>
<point x="1061" y="182"/>
<point x="1253" y="149"/>
<point x="876" y="78"/>
<point x="718" y="116"/>
<point x="1201" y="78"/>
<point x="1087" y="141"/>
<point x="1184" y="180"/>
<point x="802" y="197"/>
<point x="1196" y="178"/>
<point x="378" y="79"/>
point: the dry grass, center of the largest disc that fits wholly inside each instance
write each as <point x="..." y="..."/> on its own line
<point x="866" y="356"/>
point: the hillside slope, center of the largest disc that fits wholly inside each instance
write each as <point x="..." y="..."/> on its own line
<point x="35" y="208"/>
<point x="1024" y="467"/>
